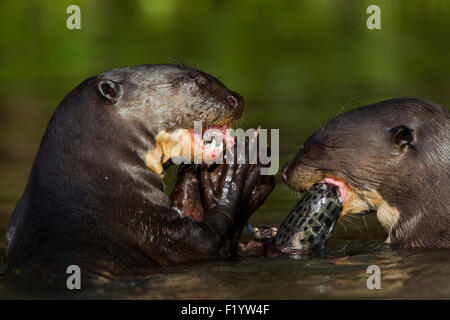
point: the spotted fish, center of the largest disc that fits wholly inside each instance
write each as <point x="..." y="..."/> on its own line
<point x="311" y="221"/>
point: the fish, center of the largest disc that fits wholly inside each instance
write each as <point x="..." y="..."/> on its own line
<point x="308" y="226"/>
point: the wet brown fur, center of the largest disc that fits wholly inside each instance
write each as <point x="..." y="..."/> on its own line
<point x="406" y="182"/>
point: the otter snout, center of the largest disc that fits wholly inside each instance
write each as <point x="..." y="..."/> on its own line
<point x="300" y="177"/>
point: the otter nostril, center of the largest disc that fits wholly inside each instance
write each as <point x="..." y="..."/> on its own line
<point x="232" y="101"/>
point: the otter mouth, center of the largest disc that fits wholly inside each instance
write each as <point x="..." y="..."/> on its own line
<point x="342" y="187"/>
<point x="354" y="201"/>
<point x="211" y="140"/>
<point x="190" y="145"/>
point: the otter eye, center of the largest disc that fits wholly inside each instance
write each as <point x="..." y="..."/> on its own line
<point x="402" y="136"/>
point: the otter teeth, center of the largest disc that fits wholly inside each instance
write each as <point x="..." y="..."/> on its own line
<point x="212" y="145"/>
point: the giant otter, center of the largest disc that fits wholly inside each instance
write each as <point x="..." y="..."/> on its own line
<point x="392" y="157"/>
<point x="95" y="197"/>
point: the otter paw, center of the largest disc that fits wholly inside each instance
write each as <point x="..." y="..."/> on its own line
<point x="223" y="186"/>
<point x="256" y="190"/>
<point x="185" y="196"/>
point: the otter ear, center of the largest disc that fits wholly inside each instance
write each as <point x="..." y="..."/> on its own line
<point x="402" y="136"/>
<point x="110" y="90"/>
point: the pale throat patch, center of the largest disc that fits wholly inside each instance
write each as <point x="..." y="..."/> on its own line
<point x="187" y="145"/>
<point x="359" y="201"/>
<point x="168" y="145"/>
<point x="388" y="217"/>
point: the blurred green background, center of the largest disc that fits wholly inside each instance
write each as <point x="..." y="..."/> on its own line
<point x="297" y="63"/>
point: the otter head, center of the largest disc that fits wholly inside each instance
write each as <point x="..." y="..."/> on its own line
<point x="159" y="104"/>
<point x="390" y="157"/>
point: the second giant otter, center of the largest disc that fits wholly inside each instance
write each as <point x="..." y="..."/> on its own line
<point x="95" y="197"/>
<point x="392" y="157"/>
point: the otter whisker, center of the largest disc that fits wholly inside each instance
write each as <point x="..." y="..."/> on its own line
<point x="179" y="61"/>
<point x="354" y="224"/>
<point x="369" y="234"/>
<point x="343" y="224"/>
